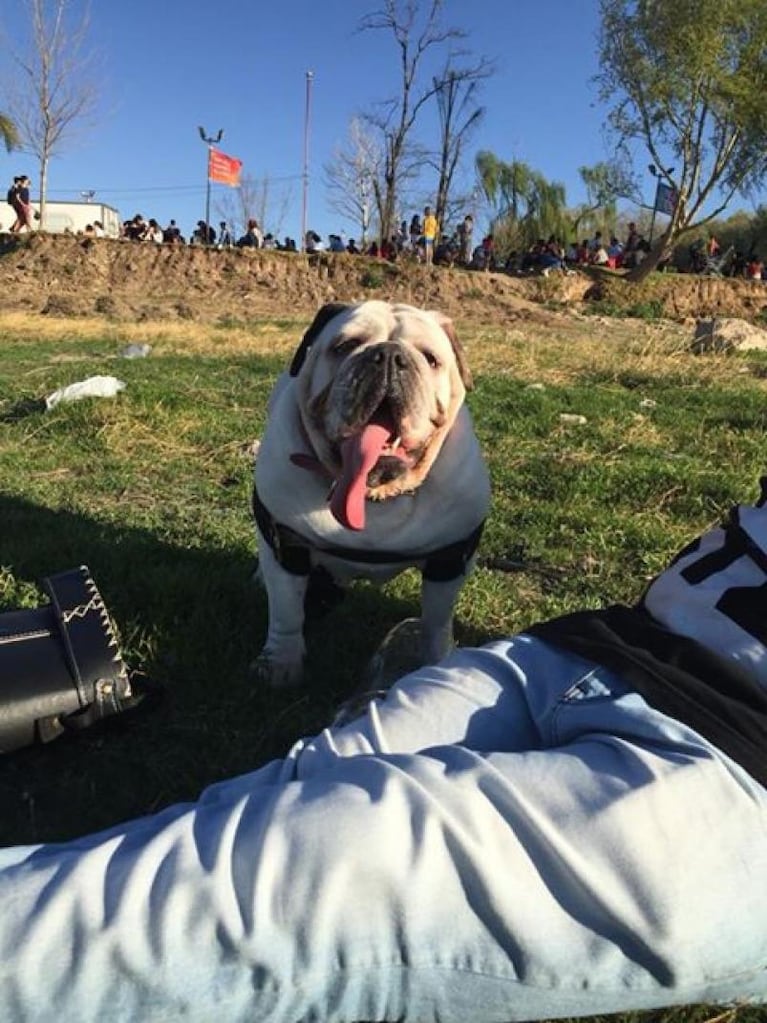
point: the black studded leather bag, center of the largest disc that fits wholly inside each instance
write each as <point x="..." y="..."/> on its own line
<point x="60" y="665"/>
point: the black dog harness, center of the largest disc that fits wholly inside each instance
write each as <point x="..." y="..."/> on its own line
<point x="293" y="552"/>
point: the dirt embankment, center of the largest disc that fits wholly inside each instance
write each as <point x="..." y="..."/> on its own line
<point x="69" y="276"/>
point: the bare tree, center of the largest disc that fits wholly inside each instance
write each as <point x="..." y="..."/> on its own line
<point x="350" y="178"/>
<point x="55" y="93"/>
<point x="256" y="199"/>
<point x="456" y="93"/>
<point x="417" y="30"/>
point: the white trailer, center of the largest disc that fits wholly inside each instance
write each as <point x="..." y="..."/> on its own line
<point x="74" y="217"/>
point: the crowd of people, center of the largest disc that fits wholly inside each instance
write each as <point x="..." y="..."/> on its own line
<point x="138" y="229"/>
<point x="422" y="240"/>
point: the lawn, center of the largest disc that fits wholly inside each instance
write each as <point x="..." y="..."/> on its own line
<point x="151" y="489"/>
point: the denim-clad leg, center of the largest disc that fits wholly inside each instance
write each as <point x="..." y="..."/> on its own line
<point x="508" y="836"/>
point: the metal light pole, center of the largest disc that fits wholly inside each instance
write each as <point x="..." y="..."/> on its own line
<point x="307" y="113"/>
<point x="209" y="141"/>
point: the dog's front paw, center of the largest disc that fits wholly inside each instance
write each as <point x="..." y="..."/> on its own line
<point x="277" y="674"/>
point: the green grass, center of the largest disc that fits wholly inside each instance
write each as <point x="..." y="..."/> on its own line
<point x="151" y="490"/>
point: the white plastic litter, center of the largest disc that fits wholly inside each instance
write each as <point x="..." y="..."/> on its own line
<point x="135" y="351"/>
<point x="93" y="387"/>
<point x="572" y="418"/>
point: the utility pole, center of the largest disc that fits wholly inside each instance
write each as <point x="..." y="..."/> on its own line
<point x="209" y="141"/>
<point x="307" y="114"/>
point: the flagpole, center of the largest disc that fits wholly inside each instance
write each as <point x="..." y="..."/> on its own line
<point x="209" y="142"/>
<point x="307" y="111"/>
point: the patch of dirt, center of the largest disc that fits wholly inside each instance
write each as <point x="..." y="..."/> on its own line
<point x="125" y="281"/>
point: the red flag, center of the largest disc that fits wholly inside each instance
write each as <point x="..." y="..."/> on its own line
<point x="223" y="168"/>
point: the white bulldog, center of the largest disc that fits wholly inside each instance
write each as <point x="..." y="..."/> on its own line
<point x="369" y="464"/>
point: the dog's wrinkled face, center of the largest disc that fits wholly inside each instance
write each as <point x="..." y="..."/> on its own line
<point x="379" y="388"/>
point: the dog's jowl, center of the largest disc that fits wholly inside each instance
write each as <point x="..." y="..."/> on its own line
<point x="369" y="464"/>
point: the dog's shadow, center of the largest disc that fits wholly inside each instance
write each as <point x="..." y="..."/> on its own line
<point x="192" y="620"/>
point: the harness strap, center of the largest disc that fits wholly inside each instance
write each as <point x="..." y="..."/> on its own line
<point x="293" y="552"/>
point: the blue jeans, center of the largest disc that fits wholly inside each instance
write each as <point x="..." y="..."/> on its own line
<point x="510" y="835"/>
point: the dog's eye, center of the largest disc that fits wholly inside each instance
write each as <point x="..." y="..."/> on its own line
<point x="344" y="347"/>
<point x="432" y="359"/>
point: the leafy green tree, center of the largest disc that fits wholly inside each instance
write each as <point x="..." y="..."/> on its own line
<point x="687" y="81"/>
<point x="603" y="183"/>
<point x="524" y="205"/>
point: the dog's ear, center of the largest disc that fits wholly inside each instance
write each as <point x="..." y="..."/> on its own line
<point x="325" y="314"/>
<point x="460" y="354"/>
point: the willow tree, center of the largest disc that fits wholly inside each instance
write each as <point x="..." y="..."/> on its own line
<point x="524" y="205"/>
<point x="685" y="82"/>
<point x="8" y="133"/>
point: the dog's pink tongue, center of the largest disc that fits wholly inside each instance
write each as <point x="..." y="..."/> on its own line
<point x="358" y="456"/>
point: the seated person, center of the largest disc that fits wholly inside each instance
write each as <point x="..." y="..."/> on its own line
<point x="584" y="253"/>
<point x="479" y="257"/>
<point x="551" y="256"/>
<point x="153" y="232"/>
<point x="136" y="229"/>
<point x="567" y="822"/>
<point x="253" y="237"/>
<point x="754" y="267"/>
<point x="388" y="250"/>
<point x="172" y="234"/>
<point x="203" y="234"/>
<point x="615" y="253"/>
<point x="599" y="256"/>
<point x="513" y="263"/>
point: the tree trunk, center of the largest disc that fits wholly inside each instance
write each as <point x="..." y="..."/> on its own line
<point x="661" y="250"/>
<point x="43" y="191"/>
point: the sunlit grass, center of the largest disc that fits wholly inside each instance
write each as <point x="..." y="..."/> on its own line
<point x="152" y="488"/>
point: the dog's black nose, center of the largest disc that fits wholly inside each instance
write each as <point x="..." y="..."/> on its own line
<point x="389" y="355"/>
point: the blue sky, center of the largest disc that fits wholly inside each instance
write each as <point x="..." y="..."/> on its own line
<point x="170" y="66"/>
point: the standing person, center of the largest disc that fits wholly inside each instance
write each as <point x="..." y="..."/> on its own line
<point x="568" y="822"/>
<point x="225" y="240"/>
<point x="488" y="252"/>
<point x="23" y="205"/>
<point x="12" y="198"/>
<point x="430" y="232"/>
<point x="416" y="232"/>
<point x="465" y="234"/>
